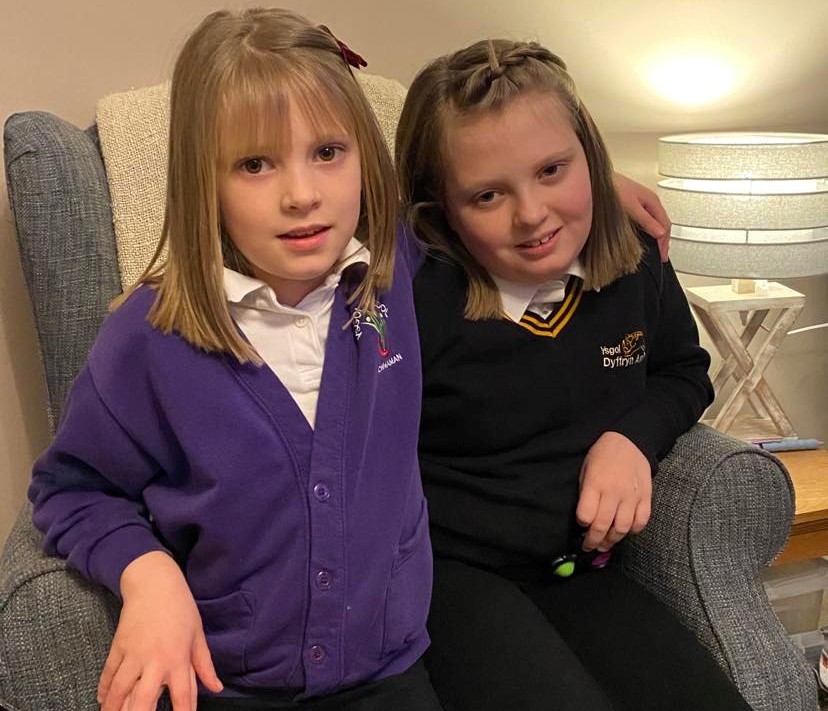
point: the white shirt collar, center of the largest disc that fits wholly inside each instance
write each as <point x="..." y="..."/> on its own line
<point x="239" y="288"/>
<point x="516" y="297"/>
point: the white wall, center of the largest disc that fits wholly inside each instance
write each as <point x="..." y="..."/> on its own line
<point x="61" y="57"/>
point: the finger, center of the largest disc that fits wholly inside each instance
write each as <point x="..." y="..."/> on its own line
<point x="587" y="507"/>
<point x="664" y="247"/>
<point x="649" y="223"/>
<point x="113" y="661"/>
<point x="121" y="686"/>
<point x="181" y="689"/>
<point x="605" y="545"/>
<point x="620" y="526"/>
<point x="654" y="221"/>
<point x="601" y="524"/>
<point x="144" y="696"/>
<point x="193" y="691"/>
<point x="203" y="665"/>
<point x="656" y="209"/>
<point x="642" y="515"/>
<point x="127" y="702"/>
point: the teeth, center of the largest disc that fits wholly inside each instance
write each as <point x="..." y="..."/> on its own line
<point x="539" y="242"/>
<point x="303" y="233"/>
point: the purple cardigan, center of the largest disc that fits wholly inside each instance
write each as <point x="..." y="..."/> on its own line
<point x="307" y="550"/>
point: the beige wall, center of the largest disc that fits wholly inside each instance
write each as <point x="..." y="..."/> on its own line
<point x="61" y="57"/>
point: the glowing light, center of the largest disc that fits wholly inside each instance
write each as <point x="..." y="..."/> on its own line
<point x="692" y="80"/>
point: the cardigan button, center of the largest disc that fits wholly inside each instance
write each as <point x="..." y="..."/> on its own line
<point x="321" y="492"/>
<point x="324" y="580"/>
<point x="317" y="654"/>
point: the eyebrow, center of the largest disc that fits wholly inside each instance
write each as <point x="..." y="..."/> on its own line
<point x="485" y="184"/>
<point x="557" y="156"/>
<point x="273" y="148"/>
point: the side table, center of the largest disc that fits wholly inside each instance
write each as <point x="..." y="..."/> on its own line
<point x="809" y="534"/>
<point x="712" y="305"/>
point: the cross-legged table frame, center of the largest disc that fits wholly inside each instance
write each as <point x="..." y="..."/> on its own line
<point x="712" y="304"/>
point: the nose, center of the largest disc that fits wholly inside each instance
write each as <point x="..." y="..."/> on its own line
<point x="300" y="192"/>
<point x="531" y="209"/>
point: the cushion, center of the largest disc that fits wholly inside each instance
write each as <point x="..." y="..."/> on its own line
<point x="134" y="127"/>
<point x="60" y="205"/>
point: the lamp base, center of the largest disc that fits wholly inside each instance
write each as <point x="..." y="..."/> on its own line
<point x="742" y="286"/>
<point x="712" y="305"/>
<point x="750" y="286"/>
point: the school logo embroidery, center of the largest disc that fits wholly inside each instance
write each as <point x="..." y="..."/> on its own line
<point x="375" y="321"/>
<point x="631" y="350"/>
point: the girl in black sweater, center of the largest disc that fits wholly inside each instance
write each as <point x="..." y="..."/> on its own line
<point x="560" y="363"/>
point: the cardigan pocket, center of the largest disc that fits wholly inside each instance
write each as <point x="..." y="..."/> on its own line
<point x="409" y="589"/>
<point x="227" y="622"/>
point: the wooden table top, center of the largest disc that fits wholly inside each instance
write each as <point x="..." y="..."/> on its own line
<point x="809" y="472"/>
<point x="723" y="298"/>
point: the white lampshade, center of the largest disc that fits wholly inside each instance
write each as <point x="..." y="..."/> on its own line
<point x="748" y="205"/>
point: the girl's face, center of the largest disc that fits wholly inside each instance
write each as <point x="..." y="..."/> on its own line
<point x="517" y="189"/>
<point x="291" y="212"/>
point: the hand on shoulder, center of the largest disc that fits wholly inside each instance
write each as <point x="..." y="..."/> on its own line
<point x="644" y="208"/>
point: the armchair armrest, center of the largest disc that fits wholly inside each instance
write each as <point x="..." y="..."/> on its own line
<point x="55" y="628"/>
<point x="722" y="510"/>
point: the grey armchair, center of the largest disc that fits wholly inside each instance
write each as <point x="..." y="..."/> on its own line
<point x="722" y="509"/>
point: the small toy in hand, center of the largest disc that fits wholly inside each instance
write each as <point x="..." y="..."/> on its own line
<point x="577" y="560"/>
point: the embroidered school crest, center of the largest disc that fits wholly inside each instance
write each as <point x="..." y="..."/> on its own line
<point x="632" y="343"/>
<point x="632" y="349"/>
<point x="376" y="321"/>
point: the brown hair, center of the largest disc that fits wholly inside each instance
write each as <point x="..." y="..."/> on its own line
<point x="236" y="79"/>
<point x="482" y="78"/>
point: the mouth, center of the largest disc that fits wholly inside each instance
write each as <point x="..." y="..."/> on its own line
<point x="304" y="232"/>
<point x="532" y="244"/>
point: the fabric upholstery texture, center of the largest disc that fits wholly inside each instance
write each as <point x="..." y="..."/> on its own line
<point x="60" y="202"/>
<point x="721" y="509"/>
<point x="721" y="512"/>
<point x="133" y="126"/>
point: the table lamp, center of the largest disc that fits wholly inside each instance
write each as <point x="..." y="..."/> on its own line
<point x="749" y="207"/>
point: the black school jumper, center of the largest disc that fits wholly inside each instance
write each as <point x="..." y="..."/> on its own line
<point x="509" y="412"/>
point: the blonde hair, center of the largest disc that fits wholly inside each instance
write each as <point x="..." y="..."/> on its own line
<point x="480" y="79"/>
<point x="236" y="79"/>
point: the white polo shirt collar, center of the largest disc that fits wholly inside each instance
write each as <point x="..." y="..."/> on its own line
<point x="516" y="297"/>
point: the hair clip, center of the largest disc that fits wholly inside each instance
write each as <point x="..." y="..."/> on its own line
<point x="351" y="58"/>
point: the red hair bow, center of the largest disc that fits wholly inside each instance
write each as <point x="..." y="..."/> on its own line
<point x="352" y="58"/>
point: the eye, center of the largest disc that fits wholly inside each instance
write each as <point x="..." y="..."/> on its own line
<point x="550" y="171"/>
<point x="252" y="165"/>
<point x="485" y="197"/>
<point x="327" y="153"/>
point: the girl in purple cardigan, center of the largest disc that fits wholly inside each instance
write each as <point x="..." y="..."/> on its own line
<point x="237" y="459"/>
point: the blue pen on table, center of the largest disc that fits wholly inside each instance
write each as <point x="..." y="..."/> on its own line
<point x="786" y="444"/>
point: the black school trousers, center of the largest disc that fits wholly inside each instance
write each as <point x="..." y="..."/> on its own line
<point x="596" y="642"/>
<point x="409" y="691"/>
